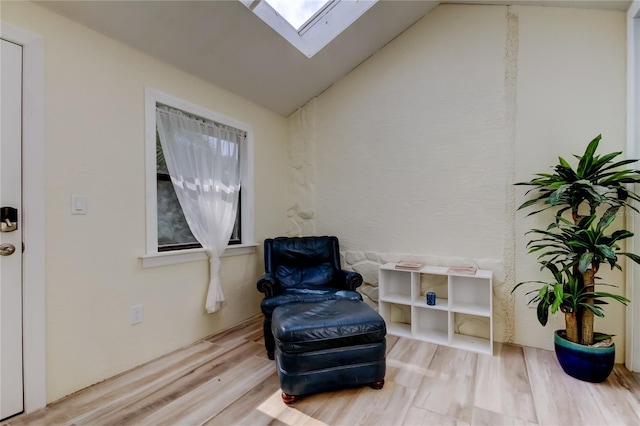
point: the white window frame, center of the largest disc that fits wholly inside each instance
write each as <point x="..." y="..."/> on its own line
<point x="319" y="30"/>
<point x="153" y="258"/>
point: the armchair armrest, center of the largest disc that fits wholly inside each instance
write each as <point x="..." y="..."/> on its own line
<point x="349" y="279"/>
<point x="268" y="284"/>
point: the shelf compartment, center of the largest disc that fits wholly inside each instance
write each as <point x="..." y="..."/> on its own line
<point x="435" y="283"/>
<point x="397" y="286"/>
<point x="397" y="318"/>
<point x="400" y="330"/>
<point x="430" y="325"/>
<point x="469" y="294"/>
<point x="471" y="332"/>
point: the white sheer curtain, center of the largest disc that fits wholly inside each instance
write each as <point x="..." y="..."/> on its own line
<point x="203" y="159"/>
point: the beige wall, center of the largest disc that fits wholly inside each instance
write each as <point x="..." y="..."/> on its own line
<point x="417" y="149"/>
<point x="571" y="87"/>
<point x="419" y="128"/>
<point x="94" y="127"/>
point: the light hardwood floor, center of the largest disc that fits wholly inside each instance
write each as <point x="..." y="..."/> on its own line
<point x="228" y="380"/>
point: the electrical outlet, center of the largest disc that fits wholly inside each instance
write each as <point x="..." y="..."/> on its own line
<point x="136" y="314"/>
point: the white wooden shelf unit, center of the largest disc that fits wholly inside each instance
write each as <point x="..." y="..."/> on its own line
<point x="461" y="318"/>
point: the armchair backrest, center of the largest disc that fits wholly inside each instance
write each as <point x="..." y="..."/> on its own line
<point x="302" y="262"/>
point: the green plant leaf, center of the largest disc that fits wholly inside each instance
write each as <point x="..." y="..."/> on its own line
<point x="601" y="337"/>
<point x="607" y="218"/>
<point x="587" y="159"/>
<point x="543" y="312"/>
<point x="617" y="165"/>
<point x="603" y="160"/>
<point x="585" y="261"/>
<point x="620" y="234"/>
<point x="595" y="309"/>
<point x="586" y="221"/>
<point x="616" y="297"/>
<point x="527" y="204"/>
<point x="564" y="163"/>
<point x="631" y="256"/>
<point x="607" y="252"/>
<point x="557" y="195"/>
<point x="558" y="294"/>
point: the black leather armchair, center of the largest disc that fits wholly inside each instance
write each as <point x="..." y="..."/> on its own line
<point x="302" y="269"/>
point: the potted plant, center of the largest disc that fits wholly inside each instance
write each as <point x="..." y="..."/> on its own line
<point x="573" y="249"/>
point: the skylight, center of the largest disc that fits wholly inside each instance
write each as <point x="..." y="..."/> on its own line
<point x="309" y="25"/>
<point x="297" y="12"/>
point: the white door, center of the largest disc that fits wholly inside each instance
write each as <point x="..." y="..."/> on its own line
<point x="11" y="369"/>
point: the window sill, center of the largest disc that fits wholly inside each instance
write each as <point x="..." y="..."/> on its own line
<point x="192" y="255"/>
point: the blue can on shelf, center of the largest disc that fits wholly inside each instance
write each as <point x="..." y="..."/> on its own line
<point x="431" y="298"/>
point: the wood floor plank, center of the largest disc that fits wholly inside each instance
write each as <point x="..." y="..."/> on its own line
<point x="362" y="402"/>
<point x="618" y="397"/>
<point x="145" y="404"/>
<point x="420" y="417"/>
<point x="213" y="396"/>
<point x="250" y="329"/>
<point x="279" y="413"/>
<point x="359" y="406"/>
<point x="448" y="384"/>
<point x="108" y="395"/>
<point x="482" y="417"/>
<point x="390" y="406"/>
<point x="245" y="410"/>
<point x="408" y="362"/>
<point x="559" y="398"/>
<point x="227" y="380"/>
<point x="332" y="407"/>
<point x="505" y="374"/>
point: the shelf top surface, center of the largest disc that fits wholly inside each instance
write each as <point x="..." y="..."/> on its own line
<point x="438" y="270"/>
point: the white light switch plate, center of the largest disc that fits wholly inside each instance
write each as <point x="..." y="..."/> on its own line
<point x="78" y="204"/>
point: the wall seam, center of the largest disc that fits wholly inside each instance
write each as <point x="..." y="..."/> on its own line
<point x="510" y="88"/>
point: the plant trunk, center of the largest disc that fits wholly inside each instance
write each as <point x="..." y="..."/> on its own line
<point x="571" y="324"/>
<point x="587" y="315"/>
<point x="576" y="217"/>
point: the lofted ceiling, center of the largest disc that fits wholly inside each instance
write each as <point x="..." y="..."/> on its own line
<point x="223" y="42"/>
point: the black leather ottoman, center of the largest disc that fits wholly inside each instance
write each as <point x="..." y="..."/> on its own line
<point x="327" y="346"/>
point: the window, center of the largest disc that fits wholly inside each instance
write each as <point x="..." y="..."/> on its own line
<point x="297" y="13"/>
<point x="169" y="239"/>
<point x="173" y="230"/>
<point x="309" y="25"/>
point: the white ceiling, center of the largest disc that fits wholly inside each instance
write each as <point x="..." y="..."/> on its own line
<point x="224" y="43"/>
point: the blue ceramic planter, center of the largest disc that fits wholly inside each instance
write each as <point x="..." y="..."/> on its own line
<point x="582" y="362"/>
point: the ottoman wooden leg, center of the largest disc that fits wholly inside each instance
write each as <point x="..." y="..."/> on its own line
<point x="290" y="399"/>
<point x="377" y="385"/>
